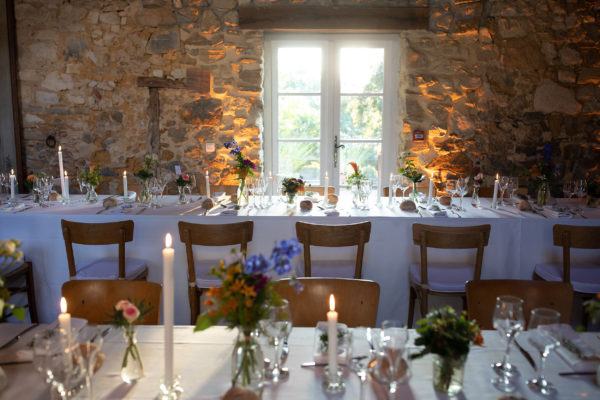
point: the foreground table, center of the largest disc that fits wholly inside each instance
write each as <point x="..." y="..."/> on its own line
<point x="518" y="241"/>
<point x="203" y="361"/>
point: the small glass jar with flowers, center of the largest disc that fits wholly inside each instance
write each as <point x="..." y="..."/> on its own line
<point x="593" y="192"/>
<point x="244" y="299"/>
<point x="144" y="174"/>
<point x="448" y="336"/>
<point x="410" y="171"/>
<point x="182" y="182"/>
<point x="91" y="178"/>
<point x="542" y="175"/>
<point x="244" y="167"/>
<point x="126" y="314"/>
<point x="359" y="185"/>
<point x="291" y="187"/>
<point x="477" y="182"/>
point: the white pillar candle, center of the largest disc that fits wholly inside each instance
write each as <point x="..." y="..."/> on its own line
<point x="61" y="170"/>
<point x="390" y="190"/>
<point x="495" y="198"/>
<point x="66" y="194"/>
<point x="168" y="307"/>
<point x="64" y="321"/>
<point x="12" y="184"/>
<point x="332" y="318"/>
<point x="379" y="178"/>
<point x="271" y="188"/>
<point x="125" y="184"/>
<point x="207" y="185"/>
<point x="326" y="187"/>
<point x="430" y="194"/>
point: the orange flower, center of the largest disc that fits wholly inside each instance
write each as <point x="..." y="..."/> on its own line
<point x="209" y="302"/>
<point x="232" y="303"/>
<point x="354" y="166"/>
<point x="236" y="286"/>
<point x="248" y="291"/>
<point x="30" y="177"/>
<point x="214" y="292"/>
<point x="478" y="340"/>
<point x="212" y="312"/>
<point x="249" y="303"/>
<point x="598" y="295"/>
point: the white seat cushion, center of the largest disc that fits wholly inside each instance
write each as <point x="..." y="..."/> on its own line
<point x="203" y="279"/>
<point x="444" y="277"/>
<point x="108" y="268"/>
<point x="329" y="268"/>
<point x="585" y="277"/>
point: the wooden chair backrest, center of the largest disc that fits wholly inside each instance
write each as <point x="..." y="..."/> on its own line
<point x="318" y="189"/>
<point x="93" y="299"/>
<point x="576" y="237"/>
<point x="356" y="300"/>
<point x="482" y="294"/>
<point x="213" y="235"/>
<point x="334" y="236"/>
<point x="386" y="192"/>
<point x="119" y="232"/>
<point x="450" y="237"/>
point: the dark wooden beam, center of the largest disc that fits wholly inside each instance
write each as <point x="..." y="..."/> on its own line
<point x="196" y="79"/>
<point x="315" y="18"/>
<point x="153" y="137"/>
<point x="160" y="83"/>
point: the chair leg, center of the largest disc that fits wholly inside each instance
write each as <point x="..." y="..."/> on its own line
<point x="424" y="306"/>
<point x="33" y="315"/>
<point x="464" y="302"/>
<point x="194" y="299"/>
<point x="411" y="306"/>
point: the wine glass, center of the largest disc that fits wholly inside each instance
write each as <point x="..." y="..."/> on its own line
<point x="544" y="335"/>
<point x="251" y="184"/>
<point x="504" y="182"/>
<point x="512" y="187"/>
<point x="581" y="188"/>
<point x="192" y="183"/>
<point x="508" y="321"/>
<point x="404" y="185"/>
<point x="452" y="189"/>
<point x="394" y="185"/>
<point x="361" y="353"/>
<point x="277" y="326"/>
<point x="392" y="367"/>
<point x="568" y="189"/>
<point x="90" y="343"/>
<point x="462" y="190"/>
<point x="3" y="179"/>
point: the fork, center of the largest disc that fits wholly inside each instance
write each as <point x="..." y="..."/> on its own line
<point x="18" y="336"/>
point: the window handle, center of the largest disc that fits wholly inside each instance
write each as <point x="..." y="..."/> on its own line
<point x="336" y="146"/>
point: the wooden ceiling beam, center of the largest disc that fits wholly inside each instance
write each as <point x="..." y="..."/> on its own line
<point x="315" y="18"/>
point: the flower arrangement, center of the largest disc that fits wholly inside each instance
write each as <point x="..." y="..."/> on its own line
<point x="183" y="180"/>
<point x="291" y="186"/>
<point x="126" y="314"/>
<point x="30" y="180"/>
<point x="543" y="171"/>
<point x="150" y="165"/>
<point x="246" y="290"/>
<point x="478" y="179"/>
<point x="409" y="169"/>
<point x="356" y="178"/>
<point x="244" y="166"/>
<point x="448" y="335"/>
<point x="9" y="257"/>
<point x="91" y="174"/>
<point x="592" y="307"/>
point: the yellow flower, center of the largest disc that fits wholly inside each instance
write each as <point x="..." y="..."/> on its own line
<point x="248" y="291"/>
<point x="249" y="303"/>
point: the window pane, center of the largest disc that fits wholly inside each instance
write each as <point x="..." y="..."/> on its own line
<point x="299" y="159"/>
<point x="299" y="117"/>
<point x="363" y="154"/>
<point x="299" y="70"/>
<point x="361" y="117"/>
<point x="361" y="70"/>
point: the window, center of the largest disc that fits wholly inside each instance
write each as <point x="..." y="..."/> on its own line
<point x="329" y="100"/>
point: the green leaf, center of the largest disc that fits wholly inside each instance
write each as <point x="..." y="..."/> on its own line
<point x="19" y="313"/>
<point x="203" y="322"/>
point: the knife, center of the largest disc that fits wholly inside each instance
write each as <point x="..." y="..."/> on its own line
<point x="323" y="364"/>
<point x="577" y="373"/>
<point x="18" y="336"/>
<point x="526" y="355"/>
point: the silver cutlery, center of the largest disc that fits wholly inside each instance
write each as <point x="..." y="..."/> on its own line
<point x="24" y="209"/>
<point x="141" y="211"/>
<point x="323" y="364"/>
<point x="18" y="336"/>
<point x="526" y="355"/>
<point x="577" y="373"/>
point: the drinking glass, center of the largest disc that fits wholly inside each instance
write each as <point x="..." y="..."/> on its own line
<point x="394" y="185"/>
<point x="504" y="182"/>
<point x="512" y="186"/>
<point x="3" y="179"/>
<point x="508" y="321"/>
<point x="451" y="189"/>
<point x="361" y="353"/>
<point x="90" y="343"/>
<point x="462" y="190"/>
<point x="264" y="190"/>
<point x="568" y="189"/>
<point x="277" y="326"/>
<point x="404" y="185"/>
<point x="581" y="188"/>
<point x="251" y="184"/>
<point x="192" y="183"/>
<point x="392" y="367"/>
<point x="544" y="335"/>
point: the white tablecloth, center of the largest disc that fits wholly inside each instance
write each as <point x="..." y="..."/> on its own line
<point x="203" y="361"/>
<point x="518" y="241"/>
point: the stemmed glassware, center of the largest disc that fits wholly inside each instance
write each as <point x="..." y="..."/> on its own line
<point x="251" y="183"/>
<point x="276" y="327"/>
<point x="569" y="188"/>
<point x="157" y="187"/>
<point x="508" y="321"/>
<point x="513" y="185"/>
<point x="392" y="367"/>
<point x="544" y="335"/>
<point x="504" y="182"/>
<point x="394" y="185"/>
<point x="90" y="343"/>
<point x="581" y="188"/>
<point x="404" y="185"/>
<point x="462" y="188"/>
<point x="361" y="354"/>
<point x="3" y="180"/>
<point x="451" y="189"/>
<point x="192" y="183"/>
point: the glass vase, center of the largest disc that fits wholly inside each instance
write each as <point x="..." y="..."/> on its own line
<point x="144" y="196"/>
<point x="475" y="199"/>
<point x="247" y="361"/>
<point x="242" y="192"/>
<point x="290" y="198"/>
<point x="414" y="195"/>
<point x="3" y="380"/>
<point x="132" y="368"/>
<point x="182" y="196"/>
<point x="448" y="374"/>
<point x="91" y="196"/>
<point x="360" y="195"/>
<point x="542" y="194"/>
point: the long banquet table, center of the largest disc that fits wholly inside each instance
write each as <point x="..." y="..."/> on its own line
<point x="518" y="241"/>
<point x="203" y="362"/>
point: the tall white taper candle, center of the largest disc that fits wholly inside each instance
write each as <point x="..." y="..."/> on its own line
<point x="332" y="317"/>
<point x="207" y="185"/>
<point x="326" y="188"/>
<point x="66" y="193"/>
<point x="495" y="198"/>
<point x="61" y="170"/>
<point x="168" y="307"/>
<point x="430" y="194"/>
<point x="124" y="184"/>
<point x="64" y="321"/>
<point x="12" y="178"/>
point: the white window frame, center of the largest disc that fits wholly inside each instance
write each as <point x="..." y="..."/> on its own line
<point x="330" y="96"/>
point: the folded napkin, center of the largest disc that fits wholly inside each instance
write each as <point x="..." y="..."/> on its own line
<point x="14" y="208"/>
<point x="436" y="212"/>
<point x="229" y="211"/>
<point x="552" y="213"/>
<point x="577" y="353"/>
<point x="219" y="196"/>
<point x="332" y="213"/>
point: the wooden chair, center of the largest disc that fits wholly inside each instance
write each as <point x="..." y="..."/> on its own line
<point x="444" y="279"/>
<point x="20" y="280"/>
<point x="239" y="233"/>
<point x="119" y="267"/>
<point x="318" y="189"/>
<point x="482" y="294"/>
<point x="356" y="300"/>
<point x="386" y="192"/>
<point x="585" y="277"/>
<point x="333" y="236"/>
<point x="94" y="299"/>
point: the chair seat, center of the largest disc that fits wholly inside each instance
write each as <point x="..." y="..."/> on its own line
<point x="203" y="279"/>
<point x="585" y="277"/>
<point x="329" y="268"/>
<point x="444" y="277"/>
<point x="108" y="268"/>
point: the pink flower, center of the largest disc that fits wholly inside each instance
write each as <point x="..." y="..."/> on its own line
<point x="186" y="177"/>
<point x="122" y="305"/>
<point x="131" y="313"/>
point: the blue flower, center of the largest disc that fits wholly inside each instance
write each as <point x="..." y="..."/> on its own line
<point x="231" y="144"/>
<point x="235" y="150"/>
<point x="283" y="253"/>
<point x="257" y="264"/>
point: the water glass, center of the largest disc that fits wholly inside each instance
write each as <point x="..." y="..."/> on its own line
<point x="544" y="335"/>
<point x="90" y="341"/>
<point x="361" y="353"/>
<point x="508" y="321"/>
<point x="462" y="189"/>
<point x="392" y="366"/>
<point x="504" y="182"/>
<point x="276" y="327"/>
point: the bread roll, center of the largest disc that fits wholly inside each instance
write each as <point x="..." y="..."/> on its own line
<point x="54" y="196"/>
<point x="332" y="199"/>
<point x="408" y="205"/>
<point x="524" y="206"/>
<point x="445" y="200"/>
<point x="306" y="205"/>
<point x="208" y="203"/>
<point x="110" y="202"/>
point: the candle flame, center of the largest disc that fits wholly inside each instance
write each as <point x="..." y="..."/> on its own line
<point x="124" y="174"/>
<point x="325" y="174"/>
<point x="168" y="240"/>
<point x="12" y="171"/>
<point x="66" y="175"/>
<point x="59" y="148"/>
<point x="63" y="305"/>
<point x="496" y="176"/>
<point x="331" y="303"/>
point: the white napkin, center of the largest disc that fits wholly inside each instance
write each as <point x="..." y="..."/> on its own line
<point x="332" y="213"/>
<point x="15" y="208"/>
<point x="552" y="213"/>
<point x="229" y="211"/>
<point x="577" y="353"/>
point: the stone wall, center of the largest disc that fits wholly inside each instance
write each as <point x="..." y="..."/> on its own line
<point x="490" y="82"/>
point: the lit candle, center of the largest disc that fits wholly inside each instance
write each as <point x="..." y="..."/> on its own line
<point x="207" y="185"/>
<point x="332" y="317"/>
<point x="168" y="307"/>
<point x="12" y="184"/>
<point x="326" y="188"/>
<point x="430" y="194"/>
<point x="64" y="320"/>
<point x="390" y="190"/>
<point x="125" y="184"/>
<point x="379" y="179"/>
<point x="62" y="171"/>
<point x="270" y="182"/>
<point x="66" y="194"/>
<point x="495" y="198"/>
